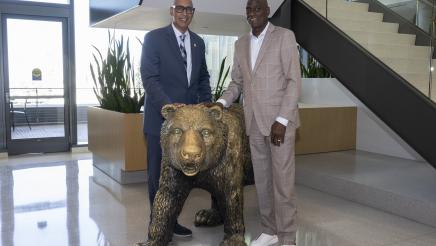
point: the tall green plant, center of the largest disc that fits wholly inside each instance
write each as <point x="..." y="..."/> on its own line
<point x="219" y="89"/>
<point x="314" y="69"/>
<point x="113" y="76"/>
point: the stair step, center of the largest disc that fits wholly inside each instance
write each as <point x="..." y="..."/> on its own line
<point x="360" y="16"/>
<point x="419" y="80"/>
<point x="408" y="65"/>
<point x="320" y="7"/>
<point x="399" y="51"/>
<point x="395" y="185"/>
<point x="339" y="4"/>
<point x="358" y="25"/>
<point x="433" y="93"/>
<point x="364" y="37"/>
<point x="422" y="89"/>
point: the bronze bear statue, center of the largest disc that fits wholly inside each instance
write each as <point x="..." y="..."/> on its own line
<point x="202" y="147"/>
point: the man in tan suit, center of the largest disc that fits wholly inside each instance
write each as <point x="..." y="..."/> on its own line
<point x="266" y="70"/>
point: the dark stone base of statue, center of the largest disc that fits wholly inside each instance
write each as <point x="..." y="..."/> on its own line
<point x="202" y="148"/>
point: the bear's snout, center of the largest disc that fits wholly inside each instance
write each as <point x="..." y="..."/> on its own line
<point x="191" y="152"/>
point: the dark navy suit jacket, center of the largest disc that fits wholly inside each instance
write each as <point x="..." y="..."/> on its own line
<point x="164" y="75"/>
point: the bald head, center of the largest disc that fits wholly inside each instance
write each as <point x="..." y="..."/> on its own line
<point x="260" y="2"/>
<point x="183" y="2"/>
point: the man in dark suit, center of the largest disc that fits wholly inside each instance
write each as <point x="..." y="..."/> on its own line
<point x="173" y="70"/>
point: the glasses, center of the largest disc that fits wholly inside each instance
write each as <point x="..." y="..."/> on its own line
<point x="181" y="9"/>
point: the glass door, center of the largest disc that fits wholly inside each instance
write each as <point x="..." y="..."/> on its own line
<point x="36" y="84"/>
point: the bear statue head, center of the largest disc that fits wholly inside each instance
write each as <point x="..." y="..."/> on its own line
<point x="193" y="137"/>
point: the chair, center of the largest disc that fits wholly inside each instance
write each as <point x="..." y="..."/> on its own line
<point x="13" y="111"/>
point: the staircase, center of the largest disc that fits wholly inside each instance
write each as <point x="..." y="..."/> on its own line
<point x="383" y="68"/>
<point x="388" y="73"/>
<point x="398" y="51"/>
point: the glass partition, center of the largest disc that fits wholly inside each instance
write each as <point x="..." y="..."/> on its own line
<point x="42" y="1"/>
<point x="383" y="40"/>
<point x="417" y="12"/>
<point x="35" y="78"/>
<point x="2" y="119"/>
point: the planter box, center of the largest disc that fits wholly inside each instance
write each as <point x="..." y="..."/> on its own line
<point x="117" y="143"/>
<point x="328" y="117"/>
<point x="326" y="128"/>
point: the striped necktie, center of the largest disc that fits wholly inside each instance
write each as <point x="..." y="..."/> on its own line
<point x="182" y="49"/>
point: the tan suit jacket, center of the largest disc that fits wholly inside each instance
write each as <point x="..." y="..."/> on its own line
<point x="272" y="88"/>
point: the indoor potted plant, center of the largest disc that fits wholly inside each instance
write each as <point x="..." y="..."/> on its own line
<point x="327" y="124"/>
<point x="115" y="134"/>
<point x="218" y="91"/>
<point x="316" y="79"/>
<point x="313" y="69"/>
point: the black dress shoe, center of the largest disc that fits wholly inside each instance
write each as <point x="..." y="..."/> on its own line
<point x="181" y="231"/>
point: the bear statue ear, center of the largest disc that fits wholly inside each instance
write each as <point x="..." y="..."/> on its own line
<point x="168" y="111"/>
<point x="216" y="112"/>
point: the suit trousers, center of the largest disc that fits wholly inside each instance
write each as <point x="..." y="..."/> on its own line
<point x="154" y="158"/>
<point x="274" y="174"/>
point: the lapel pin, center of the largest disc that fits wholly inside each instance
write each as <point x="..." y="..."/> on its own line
<point x="195" y="45"/>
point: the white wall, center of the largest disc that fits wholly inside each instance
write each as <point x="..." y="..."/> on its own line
<point x="372" y="134"/>
<point x="228" y="7"/>
<point x="223" y="17"/>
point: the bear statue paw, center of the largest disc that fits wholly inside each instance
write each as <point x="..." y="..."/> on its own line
<point x="235" y="240"/>
<point x="152" y="243"/>
<point x="142" y="244"/>
<point x="208" y="217"/>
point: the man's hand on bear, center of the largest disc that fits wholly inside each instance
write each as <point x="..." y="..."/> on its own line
<point x="211" y="104"/>
<point x="169" y="109"/>
<point x="179" y="105"/>
<point x="278" y="133"/>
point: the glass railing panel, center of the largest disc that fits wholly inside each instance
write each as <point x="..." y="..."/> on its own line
<point x="417" y="12"/>
<point x="431" y="86"/>
<point x="382" y="39"/>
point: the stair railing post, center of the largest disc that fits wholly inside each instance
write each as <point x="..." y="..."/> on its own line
<point x="432" y="36"/>
<point x="417" y="14"/>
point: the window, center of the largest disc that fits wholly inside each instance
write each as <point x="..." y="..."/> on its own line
<point x="50" y="1"/>
<point x="217" y="48"/>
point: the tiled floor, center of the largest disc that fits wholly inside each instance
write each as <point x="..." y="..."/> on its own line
<point x="399" y="186"/>
<point x="60" y="199"/>
<point x="408" y="177"/>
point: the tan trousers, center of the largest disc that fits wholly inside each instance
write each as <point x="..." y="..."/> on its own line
<point x="274" y="173"/>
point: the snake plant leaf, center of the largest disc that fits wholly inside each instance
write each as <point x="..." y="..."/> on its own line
<point x="113" y="76"/>
<point x="222" y="76"/>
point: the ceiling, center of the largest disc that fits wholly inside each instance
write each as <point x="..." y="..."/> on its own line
<point x="223" y="17"/>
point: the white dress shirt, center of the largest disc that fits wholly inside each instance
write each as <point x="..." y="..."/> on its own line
<point x="188" y="51"/>
<point x="255" y="45"/>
